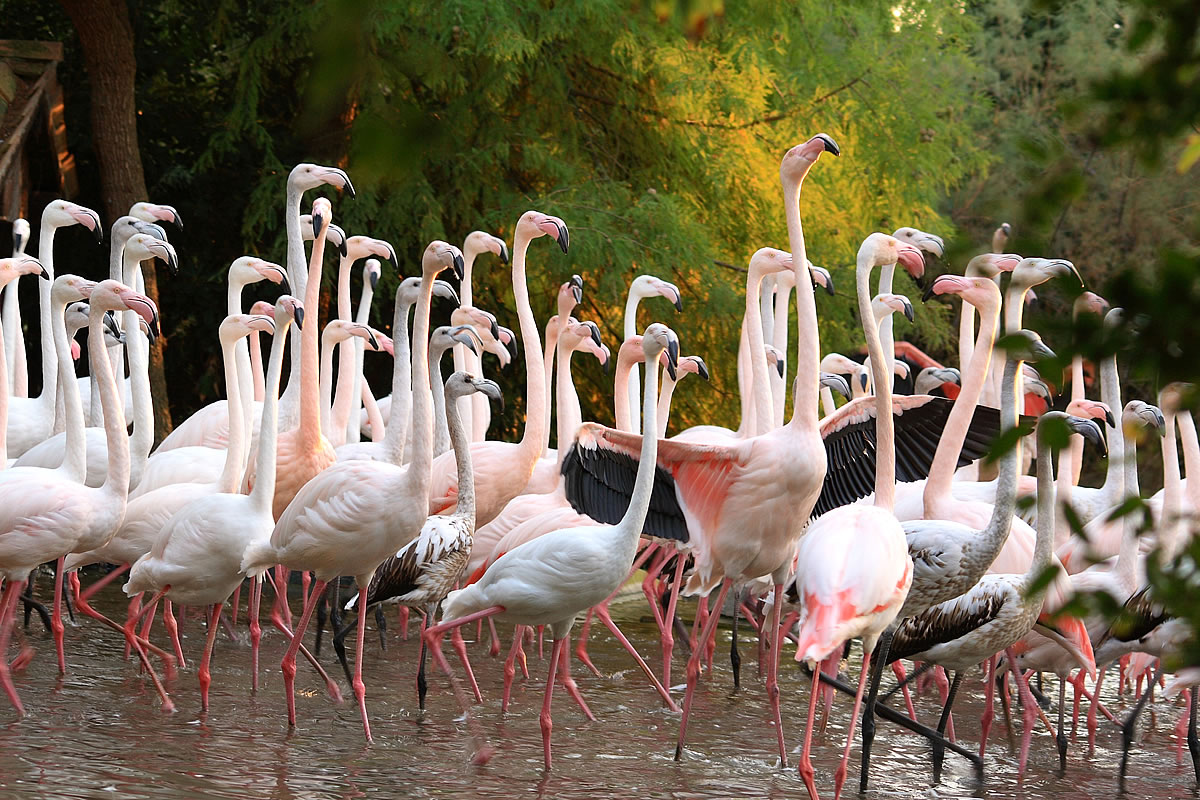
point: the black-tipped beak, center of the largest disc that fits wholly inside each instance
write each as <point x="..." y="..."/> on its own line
<point x="110" y="322"/>
<point x="494" y="329"/>
<point x="830" y="145"/>
<point x="503" y="260"/>
<point x="1040" y="352"/>
<point x="172" y="262"/>
<point x="373" y="277"/>
<point x="701" y="368"/>
<point x="781" y="367"/>
<point x="299" y="317"/>
<point x="342" y="249"/>
<point x="470" y="345"/>
<point x="18" y="242"/>
<point x="928" y="293"/>
<point x="672" y="357"/>
<point x="1108" y="417"/>
<point x="1090" y="431"/>
<point x="908" y="311"/>
<point x="319" y="225"/>
<point x="596" y="334"/>
<point x="460" y="266"/>
<point x="1160" y="423"/>
<point x="346" y="184"/>
<point x="98" y="231"/>
<point x="862" y="379"/>
<point x="395" y="262"/>
<point x="678" y="301"/>
<point x="564" y="238"/>
<point x="577" y="292"/>
<point x="176" y="220"/>
<point x="606" y="362"/>
<point x="1006" y="228"/>
<point x="44" y="274"/>
<point x="284" y="288"/>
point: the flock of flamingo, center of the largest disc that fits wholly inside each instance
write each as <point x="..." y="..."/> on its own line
<point x="875" y="520"/>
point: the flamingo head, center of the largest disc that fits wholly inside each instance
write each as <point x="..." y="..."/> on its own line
<point x="142" y="246"/>
<point x="1093" y="409"/>
<point x="983" y="293"/>
<point x="480" y="242"/>
<point x="154" y="212"/>
<point x="775" y="358"/>
<point x="1090" y="303"/>
<point x="1140" y="417"/>
<point x="1025" y="345"/>
<point x="835" y="383"/>
<point x="1032" y="272"/>
<point x="800" y="159"/>
<point x="287" y="310"/>
<point x="62" y="213"/>
<point x="932" y="378"/>
<point x="644" y="286"/>
<point x="362" y="246"/>
<point x="113" y="295"/>
<point x="1001" y="236"/>
<point x="821" y="277"/>
<point x="770" y="261"/>
<point x="658" y="338"/>
<point x="372" y="270"/>
<point x="989" y="265"/>
<point x="570" y="294"/>
<point x="15" y="267"/>
<point x="235" y="326"/>
<point x="251" y="269"/>
<point x="482" y="320"/>
<point x="70" y="288"/>
<point x="461" y="383"/>
<point x="839" y="364"/>
<point x="310" y="176"/>
<point x="334" y="234"/>
<point x="927" y="242"/>
<point x="1087" y="427"/>
<point x="534" y="224"/>
<point x="694" y="364"/>
<point x="441" y="255"/>
<point x="20" y="234"/>
<point x="884" y="304"/>
<point x="322" y="216"/>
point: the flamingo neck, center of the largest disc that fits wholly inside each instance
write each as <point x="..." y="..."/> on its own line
<point x="326" y="381"/>
<point x="779" y="338"/>
<point x="418" y="472"/>
<point x="310" y="389"/>
<point x="117" y="480"/>
<point x="337" y="425"/>
<point x="966" y="335"/>
<point x="4" y="389"/>
<point x="552" y="329"/>
<point x="1127" y="556"/>
<point x="1078" y="392"/>
<point x="627" y="358"/>
<point x="358" y="386"/>
<point x="1000" y="523"/>
<point x="256" y="366"/>
<point x="828" y="406"/>
<point x="1191" y="455"/>
<point x="761" y="381"/>
<point x="570" y="416"/>
<point x="441" y="424"/>
<point x="51" y="367"/>
<point x="231" y="472"/>
<point x="630" y="527"/>
<point x="885" y="434"/>
<point x="298" y="282"/>
<point x="75" y="458"/>
<point x="1168" y="535"/>
<point x="664" y="404"/>
<point x="535" y="382"/>
<point x="887" y="275"/>
<point x="808" y="340"/>
<point x="945" y="459"/>
<point x="461" y="444"/>
<point x="1044" y="543"/>
<point x="263" y="493"/>
<point x="745" y="382"/>
<point x="1110" y="394"/>
<point x="399" y="416"/>
<point x="633" y="390"/>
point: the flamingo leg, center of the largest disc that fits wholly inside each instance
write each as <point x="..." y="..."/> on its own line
<point x="693" y="669"/>
<point x="544" y="719"/>
<point x="868" y="718"/>
<point x="237" y="600"/>
<point x="460" y="647"/>
<point x="839" y="776"/>
<point x="1129" y="726"/>
<point x="773" y="669"/>
<point x="255" y="630"/>
<point x="569" y="683"/>
<point x="581" y="646"/>
<point x="360" y="689"/>
<point x="735" y="658"/>
<point x="494" y="646"/>
<point x="656" y="565"/>
<point x="135" y="607"/>
<point x="288" y="665"/>
<point x="668" y="640"/>
<point x="210" y="642"/>
<point x="432" y="636"/>
<point x="173" y="632"/>
<point x="404" y="614"/>
<point x="989" y="690"/>
<point x="8" y="610"/>
<point x="56" y="622"/>
<point x="1192" y="740"/>
<point x="939" y="749"/>
<point x="806" y="768"/>
<point x="510" y="668"/>
<point x="86" y="609"/>
<point x="1060" y="738"/>
<point x="1029" y="711"/>
<point x="422" y="684"/>
<point x="612" y="626"/>
<point x="526" y="637"/>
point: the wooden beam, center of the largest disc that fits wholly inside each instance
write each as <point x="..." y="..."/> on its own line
<point x="30" y="50"/>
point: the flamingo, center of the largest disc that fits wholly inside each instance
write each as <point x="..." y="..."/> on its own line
<point x="31" y="419"/>
<point x="14" y="336"/>
<point x="1000" y="609"/>
<point x="326" y="515"/>
<point x="475" y="405"/>
<point x="12" y="269"/>
<point x="444" y="338"/>
<point x="336" y="333"/>
<point x="360" y="392"/>
<point x="688" y="365"/>
<point x="429" y="566"/>
<point x="502" y="469"/>
<point x="551" y="579"/>
<point x="49" y="513"/>
<point x="641" y="288"/>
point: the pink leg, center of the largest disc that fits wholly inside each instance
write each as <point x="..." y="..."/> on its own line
<point x="281" y="599"/>
<point x="404" y="612"/>
<point x="581" y="648"/>
<point x="483" y="751"/>
<point x="943" y="685"/>
<point x="525" y="637"/>
<point x="806" y="767"/>
<point x="8" y="607"/>
<point x="667" y="629"/>
<point x="547" y="724"/>
<point x="839" y="776"/>
<point x="100" y="584"/>
<point x="989" y="691"/>
<point x="541" y="630"/>
<point x="135" y="608"/>
<point x="494" y="647"/>
<point x="288" y="666"/>
<point x="693" y="670"/>
<point x="237" y="601"/>
<point x="1122" y="663"/>
<point x="830" y="667"/>
<point x="899" y="672"/>
<point x="510" y="666"/>
<point x="210" y="641"/>
<point x="460" y="647"/>
<point x="1029" y="711"/>
<point x="648" y="588"/>
<point x="564" y="663"/>
<point x="1182" y="726"/>
<point x="360" y="689"/>
<point x="305" y="583"/>
<point x="56" y="622"/>
<point x="81" y="604"/>
<point x="173" y="631"/>
<point x="772" y="666"/>
<point x="612" y="626"/>
<point x="255" y="630"/>
<point x="277" y="620"/>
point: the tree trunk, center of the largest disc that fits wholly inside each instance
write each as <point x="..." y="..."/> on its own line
<point x="106" y="36"/>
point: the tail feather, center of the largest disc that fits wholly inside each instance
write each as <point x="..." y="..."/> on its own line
<point x="818" y="634"/>
<point x="259" y="557"/>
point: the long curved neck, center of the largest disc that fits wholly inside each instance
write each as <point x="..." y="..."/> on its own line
<point x="3" y="397"/>
<point x="339" y="416"/>
<point x="887" y="339"/>
<point x="10" y="315"/>
<point x="808" y="340"/>
<point x="231" y="472"/>
<point x="50" y="365"/>
<point x="298" y="281"/>
<point x="398" y="417"/>
<point x="142" y="438"/>
<point x="1014" y="312"/>
<point x="745" y="379"/>
<point x="552" y="331"/>
<point x="1062" y="488"/>
<point x="1110" y="394"/>
<point x="117" y="481"/>
<point x="885" y="433"/>
<point x="310" y="389"/>
<point x="461" y="444"/>
<point x="945" y="460"/>
<point x="570" y="417"/>
<point x="1000" y="523"/>
<point x="828" y="406"/>
<point x="75" y="458"/>
<point x="256" y="366"/>
<point x="354" y="409"/>
<point x="626" y="361"/>
<point x="1168" y="522"/>
<point x="465" y="295"/>
<point x="1127" y="556"/>
<point x="764" y="410"/>
<point x="1044" y="543"/>
<point x="535" y="384"/>
<point x="326" y="382"/>
<point x="630" y="526"/>
<point x="1191" y="456"/>
<point x="966" y="335"/>
<point x="633" y="391"/>
<point x="779" y="339"/>
<point x="263" y="492"/>
<point x="441" y="423"/>
<point x="422" y="398"/>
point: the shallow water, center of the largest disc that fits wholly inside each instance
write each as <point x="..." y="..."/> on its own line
<point x="100" y="732"/>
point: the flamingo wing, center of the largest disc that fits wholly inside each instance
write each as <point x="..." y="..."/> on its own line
<point x="948" y="621"/>
<point x="849" y="436"/>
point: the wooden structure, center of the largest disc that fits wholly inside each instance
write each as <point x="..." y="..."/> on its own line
<point x="33" y="132"/>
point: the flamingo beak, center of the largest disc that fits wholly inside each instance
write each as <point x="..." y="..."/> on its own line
<point x="829" y="144"/>
<point x="701" y="367"/>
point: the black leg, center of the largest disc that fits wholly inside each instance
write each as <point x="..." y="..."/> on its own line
<point x="32" y="605"/>
<point x="878" y="663"/>
<point x="335" y="606"/>
<point x="735" y="658"/>
<point x="939" y="751"/>
<point x="422" y="686"/>
<point x="1130" y="725"/>
<point x="1042" y="701"/>
<point x="322" y="615"/>
<point x="1061" y="736"/>
<point x="1193" y="743"/>
<point x="381" y="626"/>
<point x="892" y="715"/>
<point x="339" y="645"/>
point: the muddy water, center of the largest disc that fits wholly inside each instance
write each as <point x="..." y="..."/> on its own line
<point x="99" y="732"/>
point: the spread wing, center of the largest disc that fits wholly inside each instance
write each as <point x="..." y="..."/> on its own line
<point x="948" y="621"/>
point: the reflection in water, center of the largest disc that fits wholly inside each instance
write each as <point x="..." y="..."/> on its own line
<point x="100" y="732"/>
